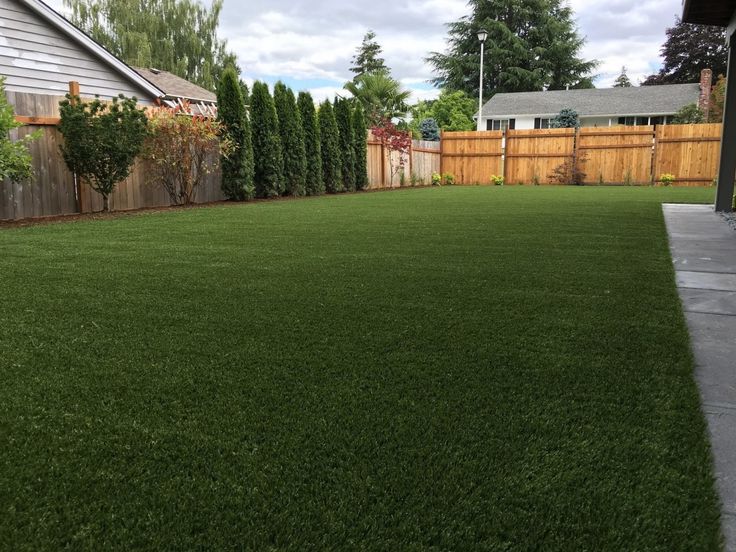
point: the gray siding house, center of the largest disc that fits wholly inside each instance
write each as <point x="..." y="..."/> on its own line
<point x="602" y="107"/>
<point x="40" y="52"/>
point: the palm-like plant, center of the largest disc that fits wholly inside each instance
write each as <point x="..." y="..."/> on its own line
<point x="381" y="95"/>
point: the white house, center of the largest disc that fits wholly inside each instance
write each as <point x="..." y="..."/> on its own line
<point x="602" y="107"/>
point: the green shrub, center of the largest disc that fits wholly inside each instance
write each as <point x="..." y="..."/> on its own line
<point x="237" y="166"/>
<point x="267" y="152"/>
<point x="566" y="118"/>
<point x="15" y="159"/>
<point x="313" y="150"/>
<point x="343" y="116"/>
<point x="667" y="179"/>
<point x="102" y="140"/>
<point x="292" y="140"/>
<point x="448" y="179"/>
<point x="436" y="179"/>
<point x="497" y="180"/>
<point x="330" y="145"/>
<point x="360" y="147"/>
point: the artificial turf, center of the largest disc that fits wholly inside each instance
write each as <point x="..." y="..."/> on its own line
<point x="441" y="369"/>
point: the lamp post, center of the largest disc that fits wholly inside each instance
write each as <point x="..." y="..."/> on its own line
<point x="482" y="36"/>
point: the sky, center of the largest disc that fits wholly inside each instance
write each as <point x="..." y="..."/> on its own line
<point x="309" y="45"/>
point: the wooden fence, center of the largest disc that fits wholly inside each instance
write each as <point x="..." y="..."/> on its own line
<point x="420" y="163"/>
<point x="607" y="155"/>
<point x="54" y="191"/>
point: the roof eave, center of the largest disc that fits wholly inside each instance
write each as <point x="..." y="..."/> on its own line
<point x="67" y="27"/>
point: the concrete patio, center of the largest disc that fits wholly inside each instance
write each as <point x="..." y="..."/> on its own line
<point x="704" y="253"/>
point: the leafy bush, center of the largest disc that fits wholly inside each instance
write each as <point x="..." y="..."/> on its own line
<point x="398" y="144"/>
<point x="314" y="182"/>
<point x="689" y="115"/>
<point x="570" y="172"/>
<point x="183" y="150"/>
<point x="267" y="152"/>
<point x="448" y="179"/>
<point x="429" y="130"/>
<point x="667" y="179"/>
<point x="15" y="160"/>
<point x="360" y="147"/>
<point x="436" y="179"/>
<point x="330" y="145"/>
<point x="237" y="167"/>
<point x="292" y="140"/>
<point x="102" y="140"/>
<point x="497" y="180"/>
<point x="567" y="118"/>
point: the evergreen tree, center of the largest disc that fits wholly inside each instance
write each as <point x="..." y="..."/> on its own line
<point x="366" y="59"/>
<point x="622" y="81"/>
<point x="532" y="45"/>
<point x="688" y="50"/>
<point x="292" y="140"/>
<point x="237" y="168"/>
<point x="381" y="95"/>
<point x="330" y="145"/>
<point x="314" y="183"/>
<point x="343" y="116"/>
<point x="567" y="118"/>
<point x="360" y="147"/>
<point x="429" y="130"/>
<point x="179" y="36"/>
<point x="267" y="153"/>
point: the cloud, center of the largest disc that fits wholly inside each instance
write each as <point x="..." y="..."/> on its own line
<point x="302" y="42"/>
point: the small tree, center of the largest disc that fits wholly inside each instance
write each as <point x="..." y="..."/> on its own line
<point x="237" y="167"/>
<point x="312" y="147"/>
<point x="398" y="144"/>
<point x="623" y="80"/>
<point x="717" y="101"/>
<point x="343" y="115"/>
<point x="292" y="140"/>
<point x="183" y="150"/>
<point x="15" y="159"/>
<point x="330" y="145"/>
<point x="360" y="147"/>
<point x="429" y="130"/>
<point x="102" y="140"/>
<point x="267" y="152"/>
<point x="567" y="118"/>
<point x="689" y="115"/>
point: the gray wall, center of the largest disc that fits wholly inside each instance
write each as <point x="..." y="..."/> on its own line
<point x="36" y="57"/>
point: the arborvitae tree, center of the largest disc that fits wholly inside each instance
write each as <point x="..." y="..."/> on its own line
<point x="237" y="167"/>
<point x="532" y="45"/>
<point x="292" y="140"/>
<point x="343" y="116"/>
<point x="623" y="80"/>
<point x="267" y="153"/>
<point x="314" y="183"/>
<point x="330" y="145"/>
<point x="688" y="50"/>
<point x="360" y="147"/>
<point x="366" y="59"/>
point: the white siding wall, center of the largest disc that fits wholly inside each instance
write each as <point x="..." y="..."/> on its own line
<point x="524" y="123"/>
<point x="36" y="57"/>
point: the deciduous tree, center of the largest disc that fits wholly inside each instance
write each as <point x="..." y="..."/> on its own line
<point x="15" y="159"/>
<point x="453" y="111"/>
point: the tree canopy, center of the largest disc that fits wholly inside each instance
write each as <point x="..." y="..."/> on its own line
<point x="687" y="51"/>
<point x="532" y="45"/>
<point x="623" y="80"/>
<point x="179" y="36"/>
<point x="367" y="57"/>
<point x="451" y="110"/>
<point x="382" y="96"/>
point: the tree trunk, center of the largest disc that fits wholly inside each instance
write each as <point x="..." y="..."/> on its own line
<point x="105" y="204"/>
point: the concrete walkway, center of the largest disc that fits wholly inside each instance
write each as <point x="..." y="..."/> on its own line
<point x="704" y="252"/>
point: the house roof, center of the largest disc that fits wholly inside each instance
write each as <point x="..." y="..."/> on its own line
<point x="601" y="102"/>
<point x="79" y="36"/>
<point x="176" y="87"/>
<point x="709" y="12"/>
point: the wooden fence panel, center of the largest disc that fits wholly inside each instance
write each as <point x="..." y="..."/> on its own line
<point x="375" y="163"/>
<point x="616" y="155"/>
<point x="690" y="152"/>
<point x="533" y="155"/>
<point x="425" y="160"/>
<point x="472" y="157"/>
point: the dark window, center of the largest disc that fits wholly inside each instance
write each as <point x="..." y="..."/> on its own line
<point x="512" y="124"/>
<point x="489" y="124"/>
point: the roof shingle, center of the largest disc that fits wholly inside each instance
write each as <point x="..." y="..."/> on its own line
<point x="176" y="87"/>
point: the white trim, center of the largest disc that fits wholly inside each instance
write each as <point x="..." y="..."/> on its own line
<point x="61" y="23"/>
<point x="581" y="115"/>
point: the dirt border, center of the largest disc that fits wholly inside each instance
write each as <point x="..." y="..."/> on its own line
<point x="84" y="217"/>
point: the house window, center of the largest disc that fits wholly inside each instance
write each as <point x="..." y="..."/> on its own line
<point x="628" y="121"/>
<point x="500" y="124"/>
<point x="540" y="123"/>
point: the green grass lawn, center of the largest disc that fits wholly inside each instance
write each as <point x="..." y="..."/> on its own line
<point x="500" y="369"/>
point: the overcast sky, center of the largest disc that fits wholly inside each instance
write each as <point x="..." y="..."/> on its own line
<point x="309" y="44"/>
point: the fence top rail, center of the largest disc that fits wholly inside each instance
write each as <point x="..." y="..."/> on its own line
<point x="541" y="133"/>
<point x="474" y="135"/>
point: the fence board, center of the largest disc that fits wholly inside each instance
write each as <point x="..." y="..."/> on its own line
<point x="690" y="152"/>
<point x="425" y="161"/>
<point x="472" y="157"/>
<point x="616" y="155"/>
<point x="532" y="156"/>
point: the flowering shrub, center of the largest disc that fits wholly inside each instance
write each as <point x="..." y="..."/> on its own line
<point x="497" y="180"/>
<point x="667" y="179"/>
<point x="182" y="150"/>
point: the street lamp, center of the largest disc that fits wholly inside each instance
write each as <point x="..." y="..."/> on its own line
<point x="482" y="36"/>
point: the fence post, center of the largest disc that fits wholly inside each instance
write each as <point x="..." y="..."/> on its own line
<point x="411" y="159"/>
<point x="655" y="152"/>
<point x="504" y="145"/>
<point x="442" y="152"/>
<point x="74" y="92"/>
